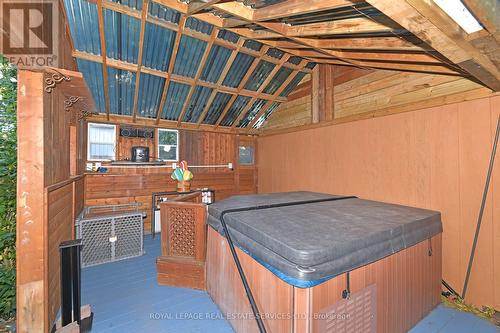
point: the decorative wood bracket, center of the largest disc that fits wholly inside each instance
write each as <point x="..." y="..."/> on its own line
<point x="83" y="113"/>
<point x="55" y="78"/>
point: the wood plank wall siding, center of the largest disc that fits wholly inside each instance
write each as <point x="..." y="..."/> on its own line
<point x="120" y="186"/>
<point x="50" y="184"/>
<point x="365" y="94"/>
<point x="434" y="158"/>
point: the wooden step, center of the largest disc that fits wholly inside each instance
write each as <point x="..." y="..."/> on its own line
<point x="181" y="272"/>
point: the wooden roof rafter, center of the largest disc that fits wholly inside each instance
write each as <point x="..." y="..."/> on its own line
<point x="395" y="61"/>
<point x="249" y="127"/>
<point x="119" y="64"/>
<point x="438" y="30"/>
<point x="186" y="31"/>
<point x="221" y="79"/>
<point x="241" y="85"/>
<point x="171" y="65"/>
<point x="341" y="32"/>
<point x="297" y="33"/>
<point x="198" y="74"/>
<point x="102" y="40"/>
<point x="144" y="15"/>
<point x="261" y="88"/>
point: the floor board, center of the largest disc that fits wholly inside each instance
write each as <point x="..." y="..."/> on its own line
<point x="125" y="297"/>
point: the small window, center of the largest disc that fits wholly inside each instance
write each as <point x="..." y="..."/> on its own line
<point x="246" y="155"/>
<point x="168" y="148"/>
<point x="101" y="142"/>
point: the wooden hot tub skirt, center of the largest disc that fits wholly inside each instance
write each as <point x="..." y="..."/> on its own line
<point x="388" y="295"/>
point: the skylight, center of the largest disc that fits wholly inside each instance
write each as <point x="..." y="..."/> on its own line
<point x="460" y="14"/>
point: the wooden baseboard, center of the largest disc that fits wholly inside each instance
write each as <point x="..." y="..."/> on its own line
<point x="181" y="272"/>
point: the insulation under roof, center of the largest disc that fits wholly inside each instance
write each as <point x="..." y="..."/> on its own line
<point x="166" y="66"/>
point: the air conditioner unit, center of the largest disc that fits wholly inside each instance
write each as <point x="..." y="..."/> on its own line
<point x="110" y="233"/>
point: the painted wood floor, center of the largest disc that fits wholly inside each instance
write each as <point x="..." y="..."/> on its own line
<point x="126" y="298"/>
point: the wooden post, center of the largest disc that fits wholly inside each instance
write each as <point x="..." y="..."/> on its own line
<point x="31" y="242"/>
<point x="322" y="93"/>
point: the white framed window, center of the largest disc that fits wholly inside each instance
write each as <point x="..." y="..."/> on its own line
<point x="101" y="142"/>
<point x="168" y="144"/>
<point x="246" y="155"/>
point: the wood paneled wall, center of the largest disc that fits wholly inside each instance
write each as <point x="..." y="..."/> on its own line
<point x="434" y="158"/>
<point x="64" y="203"/>
<point x="367" y="94"/>
<point x="197" y="148"/>
<point x="50" y="194"/>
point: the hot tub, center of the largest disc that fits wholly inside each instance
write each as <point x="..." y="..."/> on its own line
<point x="323" y="266"/>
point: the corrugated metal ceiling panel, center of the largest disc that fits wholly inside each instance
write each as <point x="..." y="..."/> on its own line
<point x="293" y="83"/>
<point x="228" y="36"/>
<point x="176" y="95"/>
<point x="82" y="18"/>
<point x="189" y="56"/>
<point x="122" y="36"/>
<point x="121" y="90"/>
<point x="92" y="72"/>
<point x="259" y="75"/>
<point x="265" y="116"/>
<point x="253" y="44"/>
<point x="252" y="112"/>
<point x="277" y="80"/>
<point x="158" y="46"/>
<point x="238" y="70"/>
<point x="219" y="103"/>
<point x="294" y="60"/>
<point x="198" y="25"/>
<point x="197" y="103"/>
<point x="215" y="64"/>
<point x="234" y="111"/>
<point x="150" y="91"/>
<point x="275" y="53"/>
<point x="310" y="65"/>
<point x="164" y="13"/>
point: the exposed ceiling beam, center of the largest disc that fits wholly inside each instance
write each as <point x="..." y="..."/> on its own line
<point x="298" y="7"/>
<point x="174" y="4"/>
<point x="380" y="56"/>
<point x="366" y="43"/>
<point x="195" y="7"/>
<point x="403" y="67"/>
<point x="139" y="58"/>
<point x="120" y="119"/>
<point x="102" y="40"/>
<point x="347" y="26"/>
<point x="429" y="23"/>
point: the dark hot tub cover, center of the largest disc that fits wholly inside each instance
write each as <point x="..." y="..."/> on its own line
<point x="310" y="243"/>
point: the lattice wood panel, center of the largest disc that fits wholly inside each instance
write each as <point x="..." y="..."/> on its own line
<point x="183" y="230"/>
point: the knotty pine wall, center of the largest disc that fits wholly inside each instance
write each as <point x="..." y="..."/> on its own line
<point x="121" y="186"/>
<point x="434" y="158"/>
<point x="361" y="94"/>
